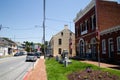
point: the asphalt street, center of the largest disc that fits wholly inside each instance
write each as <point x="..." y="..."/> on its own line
<point x="14" y="68"/>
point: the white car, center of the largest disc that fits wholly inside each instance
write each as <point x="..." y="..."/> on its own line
<point x="31" y="57"/>
<point x="1" y="54"/>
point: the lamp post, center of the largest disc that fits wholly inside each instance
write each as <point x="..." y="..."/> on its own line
<point x="3" y="27"/>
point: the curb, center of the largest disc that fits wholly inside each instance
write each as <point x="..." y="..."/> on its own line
<point x="27" y="74"/>
<point x="29" y="70"/>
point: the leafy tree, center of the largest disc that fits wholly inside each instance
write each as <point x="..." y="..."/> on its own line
<point x="28" y="46"/>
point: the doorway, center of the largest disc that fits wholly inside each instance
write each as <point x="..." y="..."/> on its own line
<point x="111" y="47"/>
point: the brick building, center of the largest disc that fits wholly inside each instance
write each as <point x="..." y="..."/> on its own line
<point x="97" y="29"/>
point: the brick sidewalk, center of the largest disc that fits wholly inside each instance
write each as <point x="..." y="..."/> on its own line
<point x="39" y="71"/>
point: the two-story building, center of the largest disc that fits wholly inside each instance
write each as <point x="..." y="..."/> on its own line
<point x="64" y="40"/>
<point x="97" y="30"/>
<point x="7" y="46"/>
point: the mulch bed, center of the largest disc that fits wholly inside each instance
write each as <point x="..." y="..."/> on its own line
<point x="92" y="75"/>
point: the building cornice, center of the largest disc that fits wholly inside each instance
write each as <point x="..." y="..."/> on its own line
<point x="110" y="30"/>
<point x="81" y="13"/>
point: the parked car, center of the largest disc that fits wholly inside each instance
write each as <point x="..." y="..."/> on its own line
<point x="18" y="54"/>
<point x="31" y="57"/>
<point x="24" y="52"/>
<point x="1" y="54"/>
<point x="37" y="54"/>
<point x="21" y="53"/>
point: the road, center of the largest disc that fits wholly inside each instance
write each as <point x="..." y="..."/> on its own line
<point x="14" y="68"/>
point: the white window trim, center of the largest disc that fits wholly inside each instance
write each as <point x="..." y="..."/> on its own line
<point x="103" y="46"/>
<point x="118" y="48"/>
<point x="85" y="31"/>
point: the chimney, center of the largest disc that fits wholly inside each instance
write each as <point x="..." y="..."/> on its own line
<point x="66" y="26"/>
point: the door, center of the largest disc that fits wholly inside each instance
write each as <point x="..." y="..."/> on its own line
<point x="81" y="49"/>
<point x="111" y="47"/>
<point x="93" y="51"/>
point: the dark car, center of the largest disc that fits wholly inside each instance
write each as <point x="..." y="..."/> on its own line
<point x="21" y="53"/>
<point x="18" y="54"/>
<point x="38" y="54"/>
<point x="31" y="57"/>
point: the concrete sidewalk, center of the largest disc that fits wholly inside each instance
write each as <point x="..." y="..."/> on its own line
<point x="39" y="71"/>
<point x="103" y="65"/>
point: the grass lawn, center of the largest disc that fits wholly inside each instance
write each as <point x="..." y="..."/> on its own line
<point x="57" y="71"/>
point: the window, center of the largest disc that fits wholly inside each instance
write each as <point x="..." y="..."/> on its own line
<point x="83" y="26"/>
<point x="60" y="41"/>
<point x="70" y="33"/>
<point x="86" y="24"/>
<point x="76" y="31"/>
<point x="90" y="22"/>
<point x="59" y="50"/>
<point x="81" y="29"/>
<point x="103" y="46"/>
<point x="61" y="33"/>
<point x="93" y="22"/>
<point x="118" y="44"/>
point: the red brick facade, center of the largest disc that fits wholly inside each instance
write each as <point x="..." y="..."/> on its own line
<point x="108" y="14"/>
<point x="99" y="18"/>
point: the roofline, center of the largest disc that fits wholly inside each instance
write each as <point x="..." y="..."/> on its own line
<point x="81" y="13"/>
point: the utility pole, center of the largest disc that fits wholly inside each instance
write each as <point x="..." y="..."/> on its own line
<point x="44" y="27"/>
<point x="0" y="27"/>
<point x="98" y="32"/>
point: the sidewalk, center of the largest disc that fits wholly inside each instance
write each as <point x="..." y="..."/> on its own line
<point x="103" y="65"/>
<point x="39" y="71"/>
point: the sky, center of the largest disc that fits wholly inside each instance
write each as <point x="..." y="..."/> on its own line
<point x="22" y="20"/>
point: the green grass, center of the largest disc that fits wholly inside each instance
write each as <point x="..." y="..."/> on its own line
<point x="57" y="71"/>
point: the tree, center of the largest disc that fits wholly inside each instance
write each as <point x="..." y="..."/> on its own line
<point x="28" y="46"/>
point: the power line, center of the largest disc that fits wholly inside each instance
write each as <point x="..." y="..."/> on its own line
<point x="57" y="20"/>
<point x="36" y="26"/>
<point x="22" y="28"/>
<point x="26" y="38"/>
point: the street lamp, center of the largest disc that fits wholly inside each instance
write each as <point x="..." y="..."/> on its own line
<point x="3" y="27"/>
